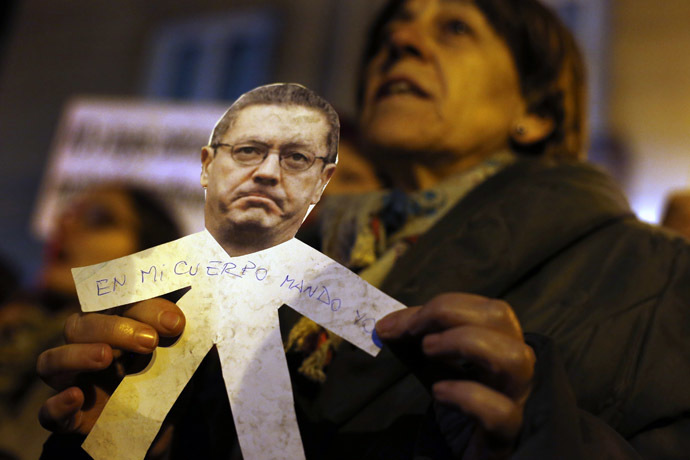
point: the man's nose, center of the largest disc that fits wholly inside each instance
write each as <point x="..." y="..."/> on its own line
<point x="268" y="172"/>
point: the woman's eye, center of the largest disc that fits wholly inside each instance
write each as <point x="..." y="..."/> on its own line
<point x="456" y="27"/>
<point x="402" y="14"/>
<point x="97" y="217"/>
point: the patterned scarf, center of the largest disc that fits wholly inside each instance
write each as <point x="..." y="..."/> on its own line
<point x="368" y="233"/>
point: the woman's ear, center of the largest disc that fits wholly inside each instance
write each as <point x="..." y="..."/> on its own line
<point x="531" y="129"/>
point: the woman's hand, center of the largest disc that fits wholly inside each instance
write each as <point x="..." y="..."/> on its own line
<point x="471" y="352"/>
<point x="89" y="367"/>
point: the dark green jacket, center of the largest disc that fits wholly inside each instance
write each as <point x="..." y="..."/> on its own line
<point x="559" y="243"/>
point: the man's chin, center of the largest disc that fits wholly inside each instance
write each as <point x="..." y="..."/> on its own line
<point x="256" y="218"/>
<point x="251" y="223"/>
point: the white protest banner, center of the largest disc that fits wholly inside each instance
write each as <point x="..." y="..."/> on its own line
<point x="152" y="145"/>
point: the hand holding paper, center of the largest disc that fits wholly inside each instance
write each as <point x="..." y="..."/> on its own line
<point x="94" y="340"/>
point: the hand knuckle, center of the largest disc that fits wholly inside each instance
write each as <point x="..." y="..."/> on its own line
<point x="41" y="364"/>
<point x="521" y="363"/>
<point x="529" y="356"/>
<point x="435" y="312"/>
<point x="111" y="326"/>
<point x="44" y="418"/>
<point x="499" y="308"/>
<point x="443" y="309"/>
<point x="48" y="417"/>
<point x="492" y="423"/>
<point x="445" y="300"/>
<point x="71" y="326"/>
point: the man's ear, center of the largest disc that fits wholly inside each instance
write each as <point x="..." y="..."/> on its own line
<point x="531" y="129"/>
<point x="207" y="156"/>
<point x="325" y="176"/>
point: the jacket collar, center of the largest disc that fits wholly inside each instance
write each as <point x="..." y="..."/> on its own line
<point x="505" y="227"/>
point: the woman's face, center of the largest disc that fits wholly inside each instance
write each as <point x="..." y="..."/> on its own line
<point x="100" y="226"/>
<point x="442" y="81"/>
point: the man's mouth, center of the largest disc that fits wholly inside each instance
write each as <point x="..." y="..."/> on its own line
<point x="400" y="86"/>
<point x="261" y="197"/>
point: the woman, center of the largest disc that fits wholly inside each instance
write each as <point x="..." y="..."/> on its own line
<point x="100" y="224"/>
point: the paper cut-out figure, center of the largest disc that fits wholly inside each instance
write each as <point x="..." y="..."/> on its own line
<point x="241" y="270"/>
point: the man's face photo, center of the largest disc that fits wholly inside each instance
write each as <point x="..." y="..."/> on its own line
<point x="266" y="171"/>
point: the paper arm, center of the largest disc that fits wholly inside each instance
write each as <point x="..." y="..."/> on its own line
<point x="146" y="274"/>
<point x="330" y="294"/>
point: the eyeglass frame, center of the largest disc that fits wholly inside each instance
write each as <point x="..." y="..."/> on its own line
<point x="268" y="150"/>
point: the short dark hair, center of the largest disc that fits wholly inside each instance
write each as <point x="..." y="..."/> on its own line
<point x="283" y="94"/>
<point x="548" y="61"/>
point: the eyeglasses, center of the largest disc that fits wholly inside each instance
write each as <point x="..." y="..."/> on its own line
<point x="255" y="154"/>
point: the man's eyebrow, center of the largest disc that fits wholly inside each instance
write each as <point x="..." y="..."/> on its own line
<point x="288" y="145"/>
<point x="251" y="140"/>
<point x="459" y="3"/>
<point x="296" y="145"/>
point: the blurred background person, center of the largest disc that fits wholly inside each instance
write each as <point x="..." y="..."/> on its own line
<point x="102" y="223"/>
<point x="355" y="174"/>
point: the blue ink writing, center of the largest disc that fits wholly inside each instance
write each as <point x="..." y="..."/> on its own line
<point x="209" y="268"/>
<point x="180" y="270"/>
<point x="99" y="287"/>
<point x="103" y="288"/>
<point x="155" y="273"/>
<point x="320" y="298"/>
<point x="227" y="268"/>
<point x="148" y="272"/>
<point x="324" y="297"/>
<point x="248" y="267"/>
<point x="116" y="283"/>
<point x="368" y="324"/>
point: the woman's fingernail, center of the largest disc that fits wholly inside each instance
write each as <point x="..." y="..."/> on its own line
<point x="69" y="397"/>
<point x="97" y="354"/>
<point x="430" y="342"/>
<point x="146" y="338"/>
<point x="440" y="390"/>
<point x="169" y="320"/>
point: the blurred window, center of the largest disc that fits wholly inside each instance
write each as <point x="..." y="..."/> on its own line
<point x="219" y="57"/>
<point x="589" y="21"/>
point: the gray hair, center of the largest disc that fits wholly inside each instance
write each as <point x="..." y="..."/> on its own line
<point x="284" y="94"/>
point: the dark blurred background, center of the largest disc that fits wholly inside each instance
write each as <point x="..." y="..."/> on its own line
<point x="214" y="50"/>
